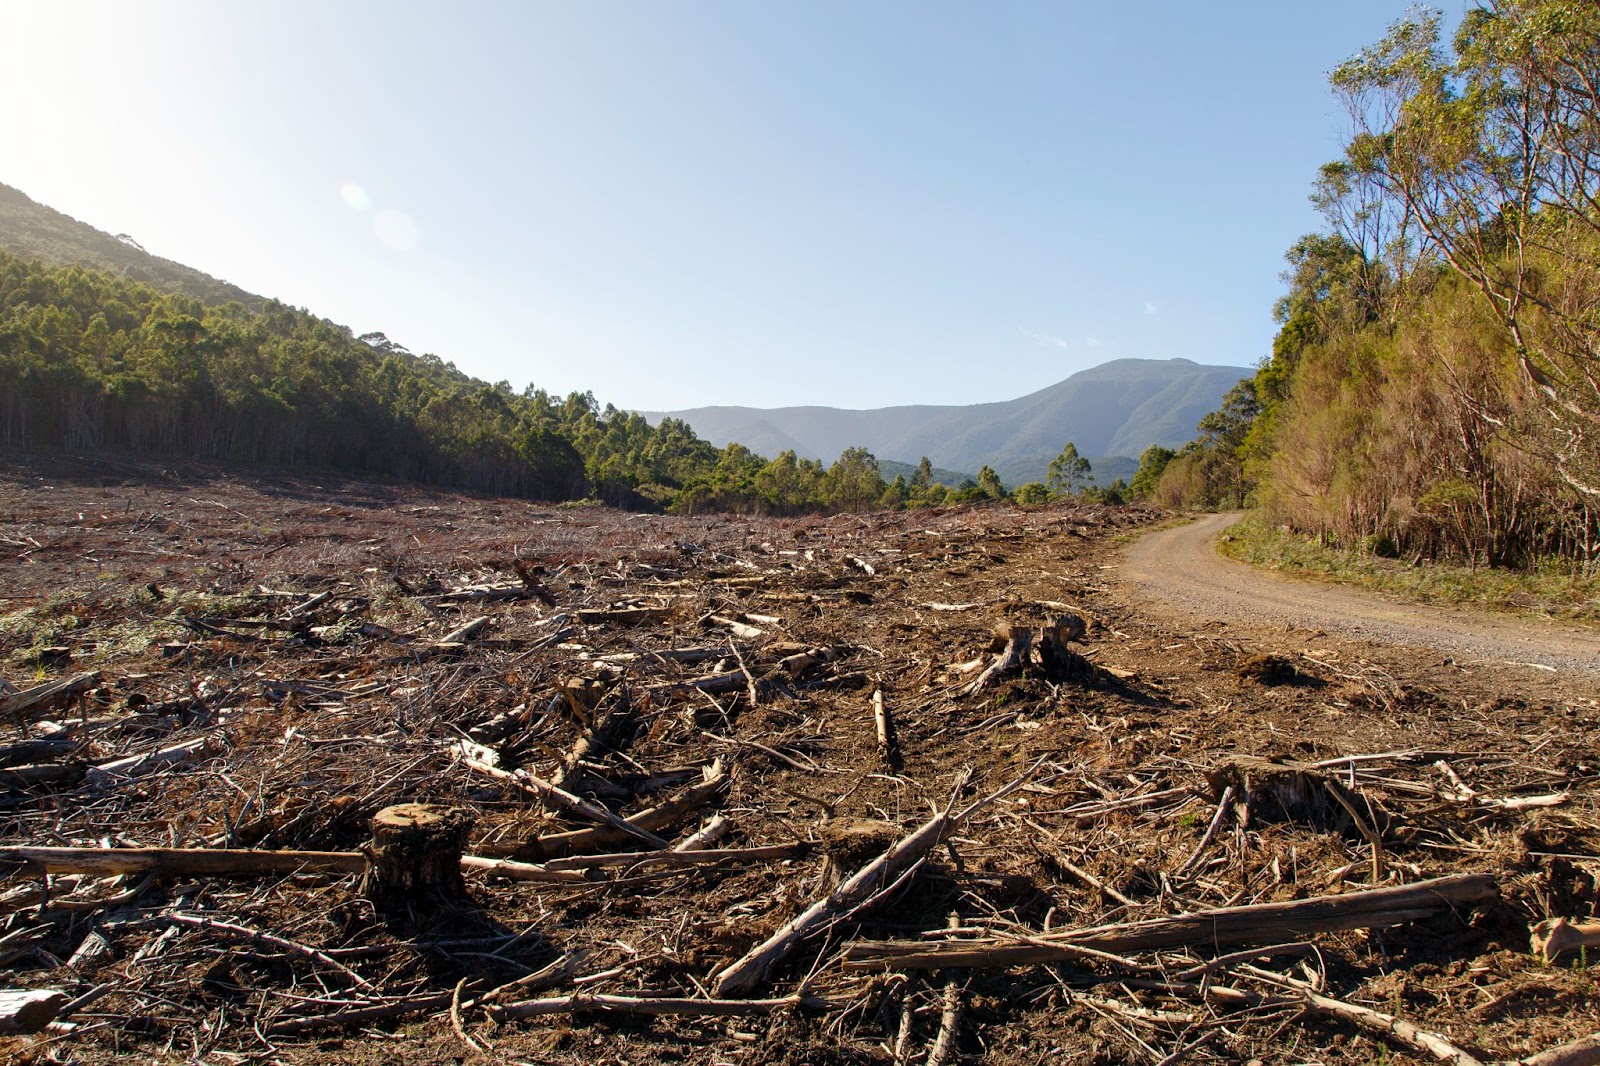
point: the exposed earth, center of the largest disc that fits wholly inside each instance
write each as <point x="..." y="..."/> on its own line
<point x="1180" y="567"/>
<point x="752" y="649"/>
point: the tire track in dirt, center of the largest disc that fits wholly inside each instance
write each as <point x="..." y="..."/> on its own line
<point x="1180" y="568"/>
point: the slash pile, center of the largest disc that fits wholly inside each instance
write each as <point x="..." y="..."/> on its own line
<point x="900" y="787"/>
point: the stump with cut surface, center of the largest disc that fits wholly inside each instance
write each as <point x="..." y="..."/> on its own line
<point x="415" y="856"/>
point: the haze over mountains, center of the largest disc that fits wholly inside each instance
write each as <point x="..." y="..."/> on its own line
<point x="1117" y="409"/>
<point x="1111" y="412"/>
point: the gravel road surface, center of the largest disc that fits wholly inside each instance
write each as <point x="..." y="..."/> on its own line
<point x="1180" y="567"/>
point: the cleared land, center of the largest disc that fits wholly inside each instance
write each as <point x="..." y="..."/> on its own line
<point x="272" y="671"/>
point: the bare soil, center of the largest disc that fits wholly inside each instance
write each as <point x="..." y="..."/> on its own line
<point x="1180" y="568"/>
<point x="184" y="588"/>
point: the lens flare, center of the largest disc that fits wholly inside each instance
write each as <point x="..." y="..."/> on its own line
<point x="355" y="195"/>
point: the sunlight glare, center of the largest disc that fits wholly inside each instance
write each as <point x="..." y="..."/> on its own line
<point x="355" y="196"/>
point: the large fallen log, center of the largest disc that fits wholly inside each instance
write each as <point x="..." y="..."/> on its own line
<point x="29" y="1010"/>
<point x="239" y="862"/>
<point x="186" y="862"/>
<point x="1256" y="924"/>
<point x="695" y="1008"/>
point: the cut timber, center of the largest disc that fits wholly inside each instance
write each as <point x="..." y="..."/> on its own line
<point x="24" y="1010"/>
<point x="691" y="801"/>
<point x="518" y="871"/>
<point x="138" y="765"/>
<point x="416" y="855"/>
<point x="627" y="616"/>
<point x="698" y="857"/>
<point x="1012" y="658"/>
<point x="565" y="801"/>
<point x="887" y="749"/>
<point x="48" y="695"/>
<point x="597" y="736"/>
<point x="867" y="884"/>
<point x="1582" y="1052"/>
<point x="187" y="862"/>
<point x="799" y="662"/>
<point x="694" y="1008"/>
<point x="1256" y="924"/>
<point x="462" y="634"/>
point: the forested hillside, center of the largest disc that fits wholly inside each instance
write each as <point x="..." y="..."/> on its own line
<point x="1434" y="389"/>
<point x="91" y="361"/>
<point x="35" y="231"/>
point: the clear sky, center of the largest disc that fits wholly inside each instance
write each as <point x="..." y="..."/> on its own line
<point x="680" y="203"/>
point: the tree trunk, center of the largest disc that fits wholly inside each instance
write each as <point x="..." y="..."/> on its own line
<point x="416" y="857"/>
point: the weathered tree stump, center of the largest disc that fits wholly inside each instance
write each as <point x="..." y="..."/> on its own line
<point x="415" y="857"/>
<point x="1058" y="660"/>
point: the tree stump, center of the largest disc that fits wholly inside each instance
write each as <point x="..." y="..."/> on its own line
<point x="415" y="856"/>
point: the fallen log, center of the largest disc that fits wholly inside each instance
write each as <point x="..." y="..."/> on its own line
<point x="1554" y="936"/>
<point x="149" y="762"/>
<point x="599" y="735"/>
<point x="464" y="633"/>
<point x="675" y="857"/>
<point x="24" y="1010"/>
<point x="1257" y="923"/>
<point x="566" y="801"/>
<point x="1582" y="1052"/>
<point x="238" y="862"/>
<point x="22" y="778"/>
<point x="701" y="1008"/>
<point x="50" y="694"/>
<point x="868" y="883"/>
<point x="880" y="720"/>
<point x="579" y="841"/>
<point x="512" y="870"/>
<point x="43" y="749"/>
<point x="186" y="862"/>
<point x="1413" y="1036"/>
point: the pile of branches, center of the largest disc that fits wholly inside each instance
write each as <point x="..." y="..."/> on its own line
<point x="751" y="778"/>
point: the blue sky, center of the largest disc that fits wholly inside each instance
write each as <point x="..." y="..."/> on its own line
<point x="675" y="204"/>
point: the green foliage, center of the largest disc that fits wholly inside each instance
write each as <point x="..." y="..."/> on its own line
<point x="1152" y="463"/>
<point x="92" y="361"/>
<point x="989" y="484"/>
<point x="1031" y="494"/>
<point x="1069" y="473"/>
<point x="853" y="482"/>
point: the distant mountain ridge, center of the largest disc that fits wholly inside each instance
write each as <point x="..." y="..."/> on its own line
<point x="33" y="231"/>
<point x="1116" y="409"/>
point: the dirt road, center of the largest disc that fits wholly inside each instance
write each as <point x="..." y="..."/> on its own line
<point x="1181" y="568"/>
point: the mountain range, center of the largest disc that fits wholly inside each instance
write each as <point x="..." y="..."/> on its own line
<point x="1111" y="412"/>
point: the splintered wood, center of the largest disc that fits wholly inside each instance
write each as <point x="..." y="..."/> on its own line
<point x="305" y="767"/>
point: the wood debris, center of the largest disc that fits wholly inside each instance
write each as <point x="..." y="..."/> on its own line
<point x="730" y="778"/>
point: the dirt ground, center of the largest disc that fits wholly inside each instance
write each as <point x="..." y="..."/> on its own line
<point x="1180" y="566"/>
<point x="751" y="649"/>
